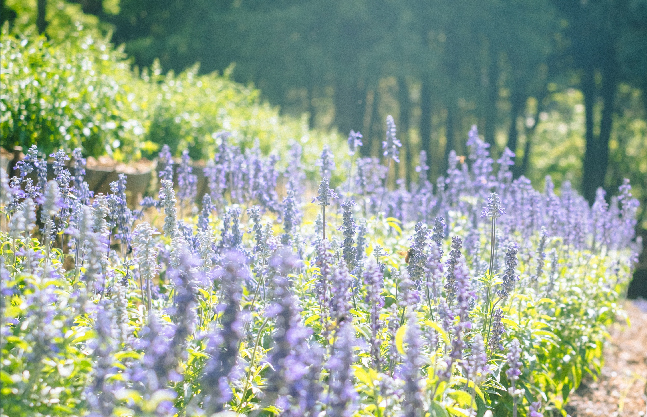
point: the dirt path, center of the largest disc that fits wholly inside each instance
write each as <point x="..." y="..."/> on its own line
<point x="621" y="389"/>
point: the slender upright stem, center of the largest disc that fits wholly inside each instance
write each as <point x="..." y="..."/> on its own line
<point x="323" y="218"/>
<point x="148" y="288"/>
<point x="251" y="365"/>
<point x="141" y="286"/>
<point x="514" y="401"/>
<point x="350" y="177"/>
<point x="386" y="184"/>
<point x="492" y="244"/>
<point x="488" y="311"/>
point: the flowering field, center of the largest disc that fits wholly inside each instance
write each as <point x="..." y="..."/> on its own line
<point x="475" y="296"/>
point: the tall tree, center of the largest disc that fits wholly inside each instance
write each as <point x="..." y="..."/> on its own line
<point x="41" y="16"/>
<point x="593" y="34"/>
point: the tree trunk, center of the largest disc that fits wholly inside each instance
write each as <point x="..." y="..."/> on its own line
<point x="425" y="122"/>
<point x="367" y="138"/>
<point x="377" y="128"/>
<point x="349" y="107"/>
<point x="516" y="102"/>
<point x="449" y="132"/>
<point x="310" y="106"/>
<point x="608" y="93"/>
<point x="41" y="22"/>
<point x="525" y="163"/>
<point x="596" y="156"/>
<point x="588" y="89"/>
<point x="492" y="95"/>
<point x="405" y="113"/>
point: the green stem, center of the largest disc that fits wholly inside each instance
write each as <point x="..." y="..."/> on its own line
<point x="251" y="365"/>
<point x="323" y="218"/>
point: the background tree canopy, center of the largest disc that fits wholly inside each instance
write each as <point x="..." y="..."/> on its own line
<point x="560" y="83"/>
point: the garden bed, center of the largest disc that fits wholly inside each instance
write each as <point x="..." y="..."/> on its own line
<point x="482" y="297"/>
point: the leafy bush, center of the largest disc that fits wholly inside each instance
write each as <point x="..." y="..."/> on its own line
<point x="81" y="92"/>
<point x="479" y="297"/>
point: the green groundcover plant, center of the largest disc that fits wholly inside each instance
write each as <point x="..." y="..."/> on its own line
<point x="476" y="296"/>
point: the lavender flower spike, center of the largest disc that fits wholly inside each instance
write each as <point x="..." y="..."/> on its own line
<point x="514" y="371"/>
<point x="326" y="162"/>
<point x="534" y="409"/>
<point x="509" y="277"/>
<point x="412" y="405"/>
<point x="354" y="142"/>
<point x="391" y="144"/>
<point x="374" y="287"/>
<point x="342" y="395"/>
<point x="223" y="343"/>
<point x="166" y="158"/>
<point x="187" y="182"/>
<point x="493" y="209"/>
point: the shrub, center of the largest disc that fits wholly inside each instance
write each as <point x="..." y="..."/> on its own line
<point x="82" y="92"/>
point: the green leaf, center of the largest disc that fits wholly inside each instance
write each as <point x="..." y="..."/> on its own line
<point x="438" y="410"/>
<point x="127" y="355"/>
<point x="87" y="335"/>
<point x="311" y="319"/>
<point x="204" y="293"/>
<point x="399" y="339"/>
<point x="545" y="333"/>
<point x="439" y="329"/>
<point x="363" y="376"/>
<point x="5" y="378"/>
<point x="510" y="323"/>
<point x="462" y="398"/>
<point x="457" y="412"/>
<point x="470" y="384"/>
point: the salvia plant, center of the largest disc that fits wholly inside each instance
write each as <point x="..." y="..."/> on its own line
<point x="476" y="295"/>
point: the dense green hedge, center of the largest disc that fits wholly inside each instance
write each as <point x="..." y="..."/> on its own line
<point x="82" y="92"/>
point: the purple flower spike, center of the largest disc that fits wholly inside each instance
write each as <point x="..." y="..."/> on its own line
<point x="187" y="182"/>
<point x="497" y="331"/>
<point x="534" y="409"/>
<point x="342" y="396"/>
<point x="349" y="226"/>
<point x="510" y="276"/>
<point x="224" y="340"/>
<point x="166" y="158"/>
<point x="412" y="405"/>
<point x="326" y="194"/>
<point x="493" y="207"/>
<point x="391" y="144"/>
<point x="326" y="162"/>
<point x="354" y="142"/>
<point x="513" y="360"/>
<point x="374" y="286"/>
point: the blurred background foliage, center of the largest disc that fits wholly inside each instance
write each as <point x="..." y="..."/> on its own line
<point x="560" y="82"/>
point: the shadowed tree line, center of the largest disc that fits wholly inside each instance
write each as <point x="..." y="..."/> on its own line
<point x="438" y="65"/>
